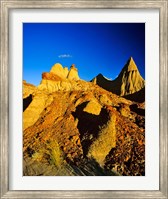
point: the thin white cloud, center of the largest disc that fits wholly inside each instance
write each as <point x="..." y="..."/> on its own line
<point x="64" y="56"/>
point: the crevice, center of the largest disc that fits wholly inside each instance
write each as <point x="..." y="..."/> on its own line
<point x="137" y="110"/>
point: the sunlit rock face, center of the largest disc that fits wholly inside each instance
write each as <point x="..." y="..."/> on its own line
<point x="58" y="70"/>
<point x="131" y="80"/>
<point x="73" y="73"/>
<point x="64" y="73"/>
<point x="74" y="127"/>
<point x="59" y="78"/>
<point x="28" y="89"/>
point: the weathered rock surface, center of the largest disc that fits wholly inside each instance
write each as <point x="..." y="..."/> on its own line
<point x="73" y="73"/>
<point x="28" y="89"/>
<point x="73" y="127"/>
<point x="58" y="70"/>
<point x="64" y="73"/>
<point x="128" y="82"/>
<point x="105" y="141"/>
<point x="60" y="79"/>
<point x="92" y="107"/>
<point x="33" y="111"/>
<point x="138" y="96"/>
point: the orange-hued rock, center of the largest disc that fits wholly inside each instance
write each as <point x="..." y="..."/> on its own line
<point x="58" y="70"/>
<point x="51" y="76"/>
<point x="60" y="79"/>
<point x="74" y="127"/>
<point x="73" y="73"/>
<point x="92" y="107"/>
<point x="51" y="86"/>
<point x="28" y="89"/>
<point x="32" y="113"/>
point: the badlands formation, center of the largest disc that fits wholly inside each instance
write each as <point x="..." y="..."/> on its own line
<point x="128" y="83"/>
<point x="74" y="127"/>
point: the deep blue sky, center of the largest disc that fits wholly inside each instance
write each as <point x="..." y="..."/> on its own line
<point x="93" y="47"/>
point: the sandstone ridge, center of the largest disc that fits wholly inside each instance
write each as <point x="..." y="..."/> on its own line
<point x="59" y="78"/>
<point x="64" y="73"/>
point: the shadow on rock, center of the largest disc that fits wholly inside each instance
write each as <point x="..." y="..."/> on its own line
<point x="89" y="125"/>
<point x="26" y="102"/>
<point x="137" y="110"/>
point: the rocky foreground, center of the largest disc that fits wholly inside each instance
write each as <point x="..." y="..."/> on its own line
<point x="74" y="127"/>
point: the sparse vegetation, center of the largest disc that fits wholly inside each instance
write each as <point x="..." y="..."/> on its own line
<point x="56" y="155"/>
<point x="73" y="127"/>
<point x="105" y="142"/>
<point x="51" y="152"/>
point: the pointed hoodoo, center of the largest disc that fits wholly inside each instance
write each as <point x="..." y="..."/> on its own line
<point x="131" y="80"/>
<point x="73" y="73"/>
<point x="130" y="66"/>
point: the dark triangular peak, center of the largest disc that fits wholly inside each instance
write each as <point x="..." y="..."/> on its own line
<point x="99" y="75"/>
<point x="102" y="81"/>
<point x="128" y="82"/>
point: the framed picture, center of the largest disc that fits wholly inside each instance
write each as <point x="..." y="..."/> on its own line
<point x="84" y="99"/>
